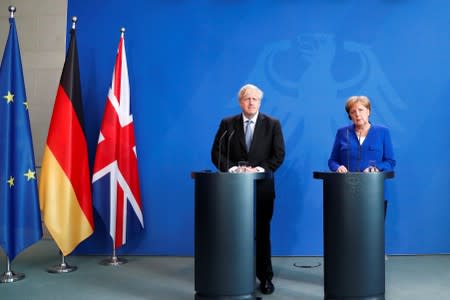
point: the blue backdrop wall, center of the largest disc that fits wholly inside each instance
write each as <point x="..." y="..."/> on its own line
<point x="187" y="60"/>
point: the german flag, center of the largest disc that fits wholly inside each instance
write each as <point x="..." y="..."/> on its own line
<point x="64" y="186"/>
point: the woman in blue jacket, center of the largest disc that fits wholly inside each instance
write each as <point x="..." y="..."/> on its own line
<point x="361" y="146"/>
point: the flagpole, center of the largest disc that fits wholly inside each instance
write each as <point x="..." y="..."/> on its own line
<point x="114" y="260"/>
<point x="9" y="276"/>
<point x="64" y="267"/>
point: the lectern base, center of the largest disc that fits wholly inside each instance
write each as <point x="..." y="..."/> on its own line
<point x="240" y="297"/>
<point x="379" y="297"/>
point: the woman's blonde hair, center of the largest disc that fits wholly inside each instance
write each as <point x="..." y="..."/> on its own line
<point x="356" y="99"/>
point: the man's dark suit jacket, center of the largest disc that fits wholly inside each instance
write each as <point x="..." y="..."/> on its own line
<point x="266" y="151"/>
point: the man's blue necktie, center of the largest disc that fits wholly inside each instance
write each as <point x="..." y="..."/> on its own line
<point x="248" y="134"/>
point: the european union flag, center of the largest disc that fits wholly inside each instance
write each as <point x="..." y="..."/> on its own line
<point x="20" y="219"/>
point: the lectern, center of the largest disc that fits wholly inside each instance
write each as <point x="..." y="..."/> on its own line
<point x="353" y="224"/>
<point x="225" y="235"/>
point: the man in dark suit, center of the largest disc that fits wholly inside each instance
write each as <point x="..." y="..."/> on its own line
<point x="258" y="140"/>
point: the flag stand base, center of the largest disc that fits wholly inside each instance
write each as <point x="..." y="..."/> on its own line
<point x="113" y="261"/>
<point x="62" y="268"/>
<point x="10" y="276"/>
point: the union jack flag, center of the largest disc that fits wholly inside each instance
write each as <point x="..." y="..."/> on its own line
<point x="116" y="194"/>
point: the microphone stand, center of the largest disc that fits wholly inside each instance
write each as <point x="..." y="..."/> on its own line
<point x="228" y="148"/>
<point x="220" y="149"/>
<point x="359" y="152"/>
<point x="348" y="151"/>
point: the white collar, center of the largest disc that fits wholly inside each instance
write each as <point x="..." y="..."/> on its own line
<point x="255" y="117"/>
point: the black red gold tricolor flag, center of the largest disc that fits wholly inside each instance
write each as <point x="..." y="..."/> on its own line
<point x="64" y="186"/>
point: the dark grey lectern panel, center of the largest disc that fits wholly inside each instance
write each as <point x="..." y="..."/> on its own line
<point x="225" y="235"/>
<point x="353" y="216"/>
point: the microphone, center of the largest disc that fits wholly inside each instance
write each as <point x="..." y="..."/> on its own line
<point x="220" y="148"/>
<point x="348" y="152"/>
<point x="359" y="153"/>
<point x="228" y="148"/>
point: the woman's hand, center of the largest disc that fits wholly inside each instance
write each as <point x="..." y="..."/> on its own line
<point x="342" y="169"/>
<point x="371" y="169"/>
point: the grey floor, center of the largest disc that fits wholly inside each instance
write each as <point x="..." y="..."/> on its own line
<point x="168" y="277"/>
